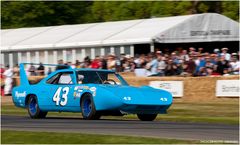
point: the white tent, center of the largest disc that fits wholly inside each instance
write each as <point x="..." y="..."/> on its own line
<point x="191" y="28"/>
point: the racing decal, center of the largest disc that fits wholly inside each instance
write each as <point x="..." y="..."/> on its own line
<point x="18" y="95"/>
<point x="163" y="99"/>
<point x="77" y="91"/>
<point x="127" y="98"/>
<point x="76" y="95"/>
<point x="93" y="90"/>
<point x="63" y="100"/>
<point x="81" y="88"/>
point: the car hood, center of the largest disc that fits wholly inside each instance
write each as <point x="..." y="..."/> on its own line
<point x="143" y="95"/>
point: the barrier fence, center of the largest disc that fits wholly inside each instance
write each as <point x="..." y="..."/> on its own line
<point x="185" y="88"/>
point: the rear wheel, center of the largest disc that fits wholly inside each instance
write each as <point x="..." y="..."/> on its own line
<point x="147" y="117"/>
<point x="88" y="108"/>
<point x="33" y="109"/>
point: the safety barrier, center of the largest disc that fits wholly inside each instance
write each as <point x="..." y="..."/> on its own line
<point x="194" y="88"/>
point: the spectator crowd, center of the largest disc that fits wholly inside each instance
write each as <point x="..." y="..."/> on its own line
<point x="191" y="62"/>
<point x="186" y="63"/>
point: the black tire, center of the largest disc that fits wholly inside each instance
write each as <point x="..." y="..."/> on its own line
<point x="147" y="117"/>
<point x="33" y="108"/>
<point x="88" y="108"/>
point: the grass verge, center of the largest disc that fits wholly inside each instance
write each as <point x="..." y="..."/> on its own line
<point x="27" y="137"/>
<point x="212" y="112"/>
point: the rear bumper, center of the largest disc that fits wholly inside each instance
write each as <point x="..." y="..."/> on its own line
<point x="19" y="102"/>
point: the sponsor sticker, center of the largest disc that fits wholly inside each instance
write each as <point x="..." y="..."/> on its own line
<point x="18" y="95"/>
<point x="93" y="89"/>
<point x="81" y="88"/>
<point x="76" y="95"/>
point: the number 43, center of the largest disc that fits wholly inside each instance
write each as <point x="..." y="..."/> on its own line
<point x="57" y="98"/>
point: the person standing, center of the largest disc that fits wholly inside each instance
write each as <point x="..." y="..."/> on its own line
<point x="103" y="62"/>
<point x="184" y="56"/>
<point x="96" y="63"/>
<point x="153" y="64"/>
<point x="111" y="62"/>
<point x="161" y="65"/>
<point x="192" y="51"/>
<point x="77" y="64"/>
<point x="61" y="65"/>
<point x="40" y="69"/>
<point x="235" y="65"/>
<point x="191" y="66"/>
<point x="8" y="73"/>
<point x="225" y="54"/>
<point x="2" y="80"/>
<point x="16" y="70"/>
<point x="222" y="65"/>
<point x="32" y="70"/>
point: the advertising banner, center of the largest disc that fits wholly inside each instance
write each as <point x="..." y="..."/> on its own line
<point x="227" y="88"/>
<point x="175" y="87"/>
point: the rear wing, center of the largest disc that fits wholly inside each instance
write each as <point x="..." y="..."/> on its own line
<point x="23" y="75"/>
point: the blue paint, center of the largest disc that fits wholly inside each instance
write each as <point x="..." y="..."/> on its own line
<point x="33" y="106"/>
<point x="87" y="108"/>
<point x="105" y="96"/>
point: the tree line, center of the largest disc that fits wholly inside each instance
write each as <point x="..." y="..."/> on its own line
<point x="17" y="14"/>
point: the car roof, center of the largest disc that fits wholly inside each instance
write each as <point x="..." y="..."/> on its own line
<point x="86" y="69"/>
<point x="91" y="69"/>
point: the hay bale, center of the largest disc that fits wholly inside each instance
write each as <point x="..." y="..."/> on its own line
<point x="195" y="88"/>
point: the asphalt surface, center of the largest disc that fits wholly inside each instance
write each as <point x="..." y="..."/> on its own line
<point x="159" y="129"/>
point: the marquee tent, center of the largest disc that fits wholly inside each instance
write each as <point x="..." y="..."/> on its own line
<point x="206" y="27"/>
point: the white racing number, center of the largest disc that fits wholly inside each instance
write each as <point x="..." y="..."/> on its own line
<point x="57" y="99"/>
<point x="127" y="98"/>
<point x="163" y="99"/>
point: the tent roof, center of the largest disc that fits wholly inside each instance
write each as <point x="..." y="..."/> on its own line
<point x="190" y="28"/>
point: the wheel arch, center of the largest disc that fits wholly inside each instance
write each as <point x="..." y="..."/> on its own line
<point x="83" y="96"/>
<point x="27" y="98"/>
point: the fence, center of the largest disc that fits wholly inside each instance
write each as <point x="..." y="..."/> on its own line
<point x="194" y="88"/>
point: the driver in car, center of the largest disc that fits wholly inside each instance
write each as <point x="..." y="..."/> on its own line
<point x="80" y="79"/>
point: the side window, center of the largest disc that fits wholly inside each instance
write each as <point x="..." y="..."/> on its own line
<point x="66" y="78"/>
<point x="88" y="77"/>
<point x="112" y="76"/>
<point x="53" y="79"/>
<point x="61" y="78"/>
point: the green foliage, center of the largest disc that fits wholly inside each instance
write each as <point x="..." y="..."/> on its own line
<point x="163" y="8"/>
<point x="218" y="112"/>
<point x="203" y="8"/>
<point x="231" y="9"/>
<point x="27" y="137"/>
<point x="117" y="10"/>
<point x="41" y="13"/>
<point x="17" y="14"/>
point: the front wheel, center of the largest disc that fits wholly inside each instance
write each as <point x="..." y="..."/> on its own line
<point x="88" y="108"/>
<point x="147" y="117"/>
<point x="33" y="109"/>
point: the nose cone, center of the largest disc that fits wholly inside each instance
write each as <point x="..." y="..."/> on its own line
<point x="141" y="96"/>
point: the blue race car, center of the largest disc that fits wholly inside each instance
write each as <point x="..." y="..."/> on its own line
<point x="93" y="92"/>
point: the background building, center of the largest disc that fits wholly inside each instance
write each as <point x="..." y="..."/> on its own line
<point x="72" y="42"/>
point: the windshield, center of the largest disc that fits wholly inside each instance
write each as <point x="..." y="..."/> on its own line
<point x="100" y="77"/>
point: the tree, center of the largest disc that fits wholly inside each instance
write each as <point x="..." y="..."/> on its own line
<point x="43" y="13"/>
<point x="17" y="14"/>
<point x="231" y="9"/>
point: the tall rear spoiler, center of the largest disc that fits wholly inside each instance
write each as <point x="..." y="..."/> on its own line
<point x="23" y="75"/>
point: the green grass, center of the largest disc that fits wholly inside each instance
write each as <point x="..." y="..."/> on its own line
<point x="27" y="137"/>
<point x="214" y="112"/>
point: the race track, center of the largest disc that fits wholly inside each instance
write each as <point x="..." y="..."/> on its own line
<point x="159" y="129"/>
